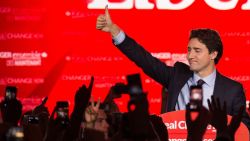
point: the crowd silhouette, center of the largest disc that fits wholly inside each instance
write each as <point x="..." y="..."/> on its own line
<point x="102" y="121"/>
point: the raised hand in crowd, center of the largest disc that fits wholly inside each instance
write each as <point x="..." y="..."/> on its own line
<point x="57" y="126"/>
<point x="159" y="128"/>
<point x="41" y="109"/>
<point x="196" y="128"/>
<point x="96" y="126"/>
<point x="51" y="127"/>
<point x="219" y="120"/>
<point x="35" y="121"/>
<point x="82" y="97"/>
<point x="91" y="113"/>
<point x="114" y="92"/>
<point x="42" y="112"/>
<point x="136" y="123"/>
<point x="218" y="114"/>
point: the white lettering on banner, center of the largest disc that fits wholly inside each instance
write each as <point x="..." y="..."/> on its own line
<point x="5" y="55"/>
<point x="9" y="36"/>
<point x="38" y="80"/>
<point x="22" y="11"/>
<point x="179" y="57"/>
<point x="240" y="77"/>
<point x="27" y="55"/>
<point x="23" y="63"/>
<point x="4" y="10"/>
<point x="106" y="59"/>
<point x="183" y="126"/>
<point x="23" y="58"/>
<point x="162" y="55"/>
<point x="171" y="58"/>
<point x="165" y="4"/>
<point x="76" y="77"/>
<point x="104" y="85"/>
<point x="96" y="59"/>
<point x="26" y="80"/>
<point x="221" y="5"/>
<point x="100" y="4"/>
<point x="23" y="14"/>
<point x="171" y="125"/>
<point x="79" y="14"/>
<point x="10" y="63"/>
<point x="143" y="4"/>
<point x="19" y="80"/>
<point x="168" y="5"/>
<point x="98" y="79"/>
<point x="155" y="100"/>
<point x="237" y="34"/>
<point x="246" y="6"/>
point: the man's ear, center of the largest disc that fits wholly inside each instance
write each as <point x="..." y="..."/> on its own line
<point x="213" y="55"/>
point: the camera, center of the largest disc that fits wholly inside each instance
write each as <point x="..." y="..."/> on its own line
<point x="133" y="87"/>
<point x="62" y="109"/>
<point x="10" y="92"/>
<point x="62" y="113"/>
<point x="196" y="96"/>
<point x="134" y="84"/>
<point x="120" y="88"/>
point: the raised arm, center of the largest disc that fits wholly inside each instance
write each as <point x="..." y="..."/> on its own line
<point x="152" y="66"/>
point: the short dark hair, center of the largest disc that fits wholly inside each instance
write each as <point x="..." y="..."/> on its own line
<point x="211" y="39"/>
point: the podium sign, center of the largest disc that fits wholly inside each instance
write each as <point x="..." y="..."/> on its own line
<point x="177" y="129"/>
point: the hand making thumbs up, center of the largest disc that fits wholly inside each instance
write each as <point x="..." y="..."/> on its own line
<point x="104" y="23"/>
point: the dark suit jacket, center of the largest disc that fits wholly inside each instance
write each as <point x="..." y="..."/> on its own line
<point x="174" y="78"/>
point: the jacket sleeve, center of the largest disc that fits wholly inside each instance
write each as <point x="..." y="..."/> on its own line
<point x="240" y="100"/>
<point x="152" y="66"/>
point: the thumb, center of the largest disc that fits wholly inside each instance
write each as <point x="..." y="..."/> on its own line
<point x="108" y="18"/>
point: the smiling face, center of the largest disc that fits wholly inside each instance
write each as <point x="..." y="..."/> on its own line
<point x="199" y="58"/>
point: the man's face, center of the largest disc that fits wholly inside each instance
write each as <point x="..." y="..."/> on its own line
<point x="199" y="58"/>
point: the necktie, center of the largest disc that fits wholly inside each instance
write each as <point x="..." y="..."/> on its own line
<point x="200" y="82"/>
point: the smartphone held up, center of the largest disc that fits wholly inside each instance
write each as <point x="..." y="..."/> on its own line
<point x="196" y="96"/>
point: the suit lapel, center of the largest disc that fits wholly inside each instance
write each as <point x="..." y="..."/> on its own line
<point x="181" y="81"/>
<point x="218" y="86"/>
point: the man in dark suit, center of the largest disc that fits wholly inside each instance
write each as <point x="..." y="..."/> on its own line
<point x="204" y="52"/>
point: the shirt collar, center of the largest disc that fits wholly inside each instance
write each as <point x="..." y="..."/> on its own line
<point x="210" y="79"/>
